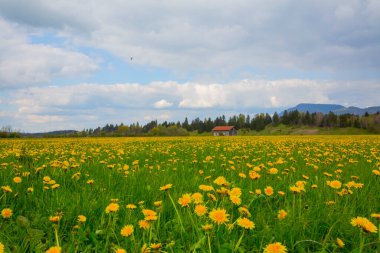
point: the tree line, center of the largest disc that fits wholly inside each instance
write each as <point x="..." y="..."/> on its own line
<point x="242" y="122"/>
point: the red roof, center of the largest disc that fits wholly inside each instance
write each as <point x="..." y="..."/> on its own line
<point x="223" y="128"/>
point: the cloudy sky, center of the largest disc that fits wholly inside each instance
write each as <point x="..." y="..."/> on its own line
<point x="69" y="64"/>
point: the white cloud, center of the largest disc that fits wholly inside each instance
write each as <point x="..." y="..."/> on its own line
<point x="22" y="63"/>
<point x="162" y="104"/>
<point x="91" y="105"/>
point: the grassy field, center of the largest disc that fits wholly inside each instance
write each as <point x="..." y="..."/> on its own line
<point x="191" y="194"/>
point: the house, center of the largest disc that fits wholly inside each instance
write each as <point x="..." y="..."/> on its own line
<point x="224" y="131"/>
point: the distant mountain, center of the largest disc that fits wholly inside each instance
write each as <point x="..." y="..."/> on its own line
<point x="337" y="109"/>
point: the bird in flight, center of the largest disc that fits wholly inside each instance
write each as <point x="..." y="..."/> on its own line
<point x="131" y="58"/>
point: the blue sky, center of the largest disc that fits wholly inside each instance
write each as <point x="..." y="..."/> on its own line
<point x="67" y="64"/>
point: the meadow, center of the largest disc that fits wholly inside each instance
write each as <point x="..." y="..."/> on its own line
<point x="191" y="194"/>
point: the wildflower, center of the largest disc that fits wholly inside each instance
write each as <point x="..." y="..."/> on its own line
<point x="55" y="249"/>
<point x="185" y="200"/>
<point x="6" y="213"/>
<point x="258" y="192"/>
<point x="245" y="223"/>
<point x="120" y="250"/>
<point x="339" y="242"/>
<point x="157" y="203"/>
<point x="235" y="199"/>
<point x="211" y="196"/>
<point x="126" y="230"/>
<point x="235" y="192"/>
<point x="282" y="214"/>
<point x="112" y="208"/>
<point x="17" y="180"/>
<point x="242" y="175"/>
<point x="281" y="193"/>
<point x="150" y="215"/>
<point x="206" y="188"/>
<point x="200" y="210"/>
<point x="46" y="179"/>
<point x="376" y="216"/>
<point x="276" y="247"/>
<point x="335" y="184"/>
<point x="143" y="224"/>
<point x="254" y="175"/>
<point x="30" y="189"/>
<point x="197" y="198"/>
<point x="268" y="191"/>
<point x="207" y="227"/>
<point x="6" y="188"/>
<point x="244" y="211"/>
<point x="1" y="248"/>
<point x="376" y="172"/>
<point x="55" y="218"/>
<point x="220" y="181"/>
<point x="364" y="224"/>
<point x="55" y="186"/>
<point x="155" y="246"/>
<point x="273" y="171"/>
<point x="219" y="216"/>
<point x="131" y="206"/>
<point x="82" y="218"/>
<point x="166" y="187"/>
<point x="90" y="182"/>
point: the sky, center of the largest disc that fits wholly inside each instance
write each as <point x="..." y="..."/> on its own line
<point x="69" y="64"/>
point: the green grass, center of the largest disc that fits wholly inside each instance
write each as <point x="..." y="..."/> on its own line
<point x="310" y="226"/>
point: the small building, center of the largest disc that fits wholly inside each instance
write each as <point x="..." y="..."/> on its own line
<point x="224" y="131"/>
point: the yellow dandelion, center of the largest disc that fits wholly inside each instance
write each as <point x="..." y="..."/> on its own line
<point x="17" y="180"/>
<point x="207" y="227"/>
<point x="157" y="203"/>
<point x="55" y="249"/>
<point x="127" y="230"/>
<point x="236" y="200"/>
<point x="112" y="208"/>
<point x="120" y="250"/>
<point x="197" y="197"/>
<point x="245" y="223"/>
<point x="258" y="192"/>
<point x="376" y="216"/>
<point x="268" y="191"/>
<point x="6" y="213"/>
<point x="206" y="188"/>
<point x="235" y="192"/>
<point x="55" y="218"/>
<point x="276" y="247"/>
<point x="131" y="206"/>
<point x="2" y="248"/>
<point x="220" y="181"/>
<point x="244" y="211"/>
<point x="155" y="246"/>
<point x="335" y="184"/>
<point x="219" y="216"/>
<point x="90" y="182"/>
<point x="185" y="200"/>
<point x="6" y="188"/>
<point x="82" y="218"/>
<point x="200" y="210"/>
<point x="339" y="242"/>
<point x="281" y="214"/>
<point x="166" y="187"/>
<point x="143" y="224"/>
<point x="364" y="224"/>
<point x="30" y="189"/>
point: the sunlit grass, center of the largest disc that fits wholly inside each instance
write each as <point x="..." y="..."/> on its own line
<point x="191" y="194"/>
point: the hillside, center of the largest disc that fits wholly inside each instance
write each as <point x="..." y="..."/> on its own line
<point x="335" y="108"/>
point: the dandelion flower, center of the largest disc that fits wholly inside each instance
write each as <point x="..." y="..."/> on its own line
<point x="235" y="192"/>
<point x="143" y="224"/>
<point x="82" y="218"/>
<point x="185" y="200"/>
<point x="206" y="188"/>
<point x="166" y="187"/>
<point x="339" y="242"/>
<point x="335" y="184"/>
<point x="200" y="210"/>
<point x="236" y="200"/>
<point x="112" y="208"/>
<point x="376" y="216"/>
<point x="120" y="250"/>
<point x="1" y="248"/>
<point x="268" y="191"/>
<point x="197" y="197"/>
<point x="157" y="203"/>
<point x="207" y="227"/>
<point x="6" y="213"/>
<point x="127" y="230"/>
<point x="54" y="249"/>
<point x="17" y="180"/>
<point x="6" y="188"/>
<point x="55" y="218"/>
<point x="245" y="223"/>
<point x="155" y="246"/>
<point x="276" y="247"/>
<point x="219" y="216"/>
<point x="131" y="206"/>
<point x="220" y="181"/>
<point x="282" y="214"/>
<point x="364" y="224"/>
